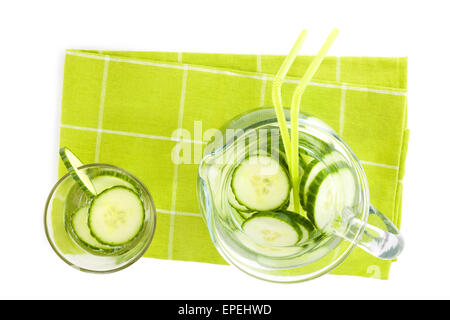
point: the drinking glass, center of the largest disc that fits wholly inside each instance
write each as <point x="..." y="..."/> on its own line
<point x="66" y="197"/>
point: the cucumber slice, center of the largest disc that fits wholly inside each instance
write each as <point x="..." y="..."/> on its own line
<point x="261" y="183"/>
<point x="306" y="227"/>
<point x="235" y="204"/>
<point x="312" y="170"/>
<point x="246" y="214"/>
<point x="348" y="194"/>
<point x="303" y="190"/>
<point x="116" y="216"/>
<point x="72" y="164"/>
<point x="276" y="229"/>
<point x="329" y="194"/>
<point x="101" y="183"/>
<point x="321" y="202"/>
<point x="306" y="158"/>
<point x="125" y="180"/>
<point x="240" y="217"/>
<point x="301" y="221"/>
<point x="310" y="144"/>
<point x="264" y="250"/>
<point x="79" y="222"/>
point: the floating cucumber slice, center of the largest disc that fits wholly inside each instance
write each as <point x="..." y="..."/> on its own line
<point x="246" y="214"/>
<point x="312" y="145"/>
<point x="313" y="169"/>
<point x="72" y="164"/>
<point x="306" y="158"/>
<point x="306" y="227"/>
<point x="261" y="183"/>
<point x="321" y="201"/>
<point x="235" y="204"/>
<point x="347" y="186"/>
<point x="79" y="221"/>
<point x="104" y="182"/>
<point x="264" y="250"/>
<point x="116" y="216"/>
<point x="276" y="229"/>
<point x="313" y="164"/>
<point x="329" y="194"/>
<point x="240" y="217"/>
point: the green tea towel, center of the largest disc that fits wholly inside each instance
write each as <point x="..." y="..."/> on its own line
<point x="122" y="108"/>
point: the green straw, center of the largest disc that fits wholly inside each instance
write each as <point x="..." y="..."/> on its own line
<point x="295" y="109"/>
<point x="276" y="91"/>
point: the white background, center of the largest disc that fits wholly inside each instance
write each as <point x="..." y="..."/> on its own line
<point x="34" y="36"/>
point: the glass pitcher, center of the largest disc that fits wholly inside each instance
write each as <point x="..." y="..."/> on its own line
<point x="257" y="132"/>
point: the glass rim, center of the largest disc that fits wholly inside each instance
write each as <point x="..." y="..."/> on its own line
<point x="152" y="218"/>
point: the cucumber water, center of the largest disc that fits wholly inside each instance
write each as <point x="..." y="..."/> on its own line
<point x="104" y="212"/>
<point x="260" y="197"/>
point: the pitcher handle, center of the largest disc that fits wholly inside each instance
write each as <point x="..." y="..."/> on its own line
<point x="386" y="243"/>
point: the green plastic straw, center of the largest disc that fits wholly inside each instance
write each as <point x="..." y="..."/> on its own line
<point x="295" y="109"/>
<point x="276" y="91"/>
<point x="277" y="101"/>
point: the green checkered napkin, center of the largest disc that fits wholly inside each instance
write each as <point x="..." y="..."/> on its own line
<point x="122" y="108"/>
